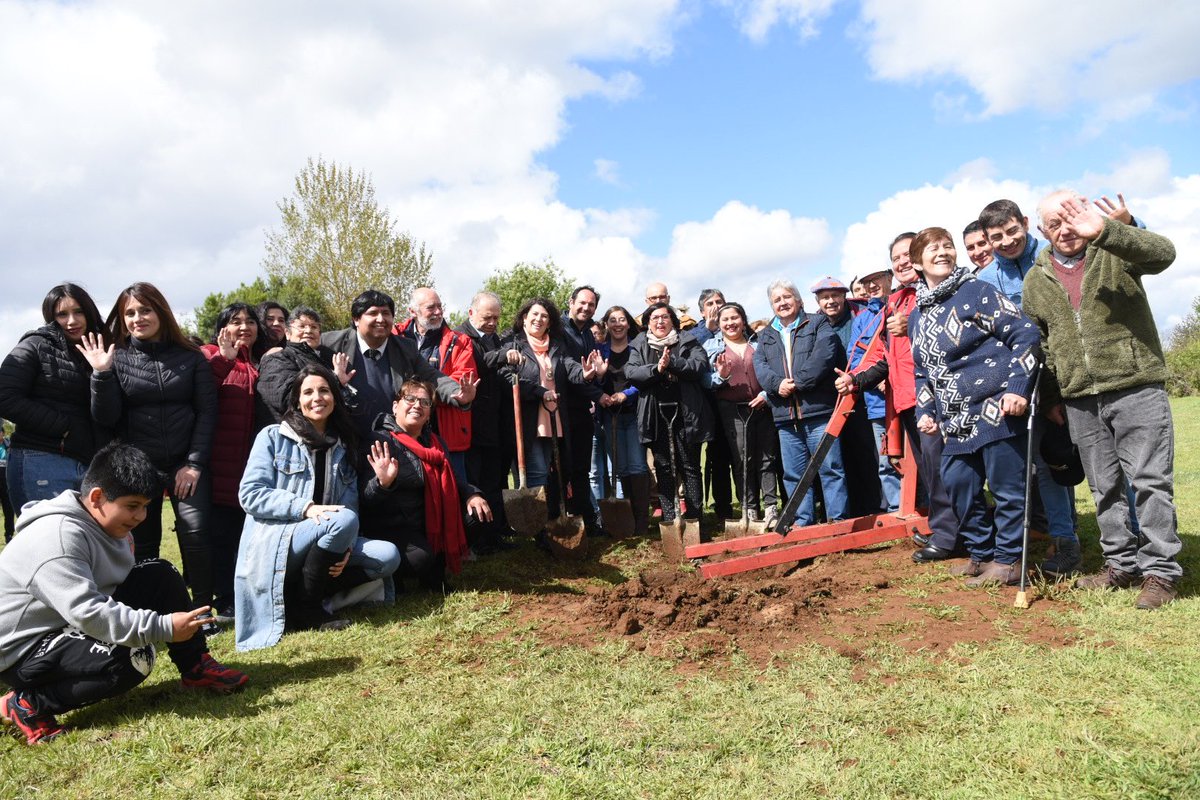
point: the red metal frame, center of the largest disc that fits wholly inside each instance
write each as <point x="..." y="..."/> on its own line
<point x="819" y="540"/>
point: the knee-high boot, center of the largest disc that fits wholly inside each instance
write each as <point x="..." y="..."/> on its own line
<point x="637" y="490"/>
<point x="314" y="580"/>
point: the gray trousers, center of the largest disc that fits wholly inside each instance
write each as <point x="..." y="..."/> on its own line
<point x="1129" y="432"/>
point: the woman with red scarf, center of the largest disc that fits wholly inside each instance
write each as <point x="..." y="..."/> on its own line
<point x="411" y="496"/>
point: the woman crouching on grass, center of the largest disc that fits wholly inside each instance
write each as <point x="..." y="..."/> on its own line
<point x="300" y="495"/>
<point x="410" y="495"/>
<point x="975" y="357"/>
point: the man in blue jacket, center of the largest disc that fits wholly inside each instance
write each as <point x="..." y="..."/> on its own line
<point x="794" y="362"/>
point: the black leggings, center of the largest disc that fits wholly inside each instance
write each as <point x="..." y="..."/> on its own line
<point x="68" y="669"/>
<point x="192" y="527"/>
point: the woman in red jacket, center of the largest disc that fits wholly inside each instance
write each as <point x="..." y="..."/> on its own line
<point x="238" y="343"/>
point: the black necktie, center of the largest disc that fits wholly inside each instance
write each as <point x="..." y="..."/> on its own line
<point x="372" y="353"/>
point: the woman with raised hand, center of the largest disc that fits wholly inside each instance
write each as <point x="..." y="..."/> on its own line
<point x="238" y="344"/>
<point x="45" y="392"/>
<point x="671" y="372"/>
<point x="544" y="371"/>
<point x="745" y="416"/>
<point x="300" y="494"/>
<point x="154" y="388"/>
<point x="411" y="495"/>
<point x="975" y="356"/>
<point x="618" y="409"/>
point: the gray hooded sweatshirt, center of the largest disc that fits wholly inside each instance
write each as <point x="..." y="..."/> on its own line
<point x="60" y="571"/>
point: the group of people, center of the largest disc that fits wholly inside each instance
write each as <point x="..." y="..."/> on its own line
<point x="313" y="469"/>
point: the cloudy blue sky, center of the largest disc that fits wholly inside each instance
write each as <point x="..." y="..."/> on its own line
<point x="717" y="143"/>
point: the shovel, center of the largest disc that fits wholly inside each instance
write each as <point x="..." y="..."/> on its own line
<point x="744" y="527"/>
<point x="566" y="532"/>
<point x="524" y="507"/>
<point x="616" y="515"/>
<point x="678" y="535"/>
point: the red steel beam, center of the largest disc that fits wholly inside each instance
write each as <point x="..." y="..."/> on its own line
<point x="799" y="552"/>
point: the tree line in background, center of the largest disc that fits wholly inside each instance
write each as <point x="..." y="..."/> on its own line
<point x="336" y="240"/>
<point x="1183" y="355"/>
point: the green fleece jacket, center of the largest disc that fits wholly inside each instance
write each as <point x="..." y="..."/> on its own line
<point x="1111" y="343"/>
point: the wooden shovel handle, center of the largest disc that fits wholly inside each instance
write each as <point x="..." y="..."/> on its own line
<point x="520" y="438"/>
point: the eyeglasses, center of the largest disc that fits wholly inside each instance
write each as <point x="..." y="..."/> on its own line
<point x="413" y="400"/>
<point x="306" y="326"/>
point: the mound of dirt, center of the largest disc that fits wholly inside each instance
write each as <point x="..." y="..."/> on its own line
<point x="846" y="601"/>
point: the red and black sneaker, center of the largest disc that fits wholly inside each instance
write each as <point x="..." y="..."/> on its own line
<point x="213" y="675"/>
<point x="17" y="710"/>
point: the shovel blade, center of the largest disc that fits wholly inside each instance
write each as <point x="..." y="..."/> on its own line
<point x="691" y="532"/>
<point x="671" y="534"/>
<point x="617" y="517"/>
<point x="567" y="537"/>
<point x="525" y="509"/>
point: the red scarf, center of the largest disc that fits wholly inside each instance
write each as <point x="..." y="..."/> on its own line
<point x="443" y="519"/>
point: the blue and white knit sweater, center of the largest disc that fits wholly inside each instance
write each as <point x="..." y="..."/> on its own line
<point x="970" y="348"/>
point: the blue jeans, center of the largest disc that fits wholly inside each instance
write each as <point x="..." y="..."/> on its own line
<point x="889" y="479"/>
<point x="1058" y="501"/>
<point x="630" y="453"/>
<point x="377" y="558"/>
<point x="797" y="442"/>
<point x="1002" y="465"/>
<point x="36" y="475"/>
<point x="598" y="475"/>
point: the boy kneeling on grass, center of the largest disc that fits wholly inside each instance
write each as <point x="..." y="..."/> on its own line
<point x="78" y="619"/>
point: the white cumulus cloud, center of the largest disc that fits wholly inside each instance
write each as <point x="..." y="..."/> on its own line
<point x="1029" y="53"/>
<point x="756" y="18"/>
<point x="740" y="250"/>
<point x="153" y="140"/>
<point x="1168" y="204"/>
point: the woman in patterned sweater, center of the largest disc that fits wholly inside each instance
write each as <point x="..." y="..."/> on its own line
<point x="975" y="356"/>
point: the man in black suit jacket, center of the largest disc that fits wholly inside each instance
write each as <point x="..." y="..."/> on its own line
<point x="382" y="362"/>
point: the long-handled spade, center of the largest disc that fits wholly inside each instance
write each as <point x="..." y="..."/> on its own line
<point x="566" y="532"/>
<point x="615" y="514"/>
<point x="679" y="534"/>
<point x="524" y="507"/>
<point x="1022" y="600"/>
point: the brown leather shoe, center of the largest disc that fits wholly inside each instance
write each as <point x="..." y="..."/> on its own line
<point x="1107" y="578"/>
<point x="1156" y="592"/>
<point x="995" y="573"/>
<point x="969" y="568"/>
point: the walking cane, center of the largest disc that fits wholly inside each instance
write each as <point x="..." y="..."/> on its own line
<point x="1022" y="600"/>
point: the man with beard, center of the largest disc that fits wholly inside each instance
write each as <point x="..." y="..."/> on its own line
<point x="581" y="346"/>
<point x="451" y="353"/>
<point x="381" y="362"/>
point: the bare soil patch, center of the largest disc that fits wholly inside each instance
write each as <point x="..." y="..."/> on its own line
<point x="846" y="601"/>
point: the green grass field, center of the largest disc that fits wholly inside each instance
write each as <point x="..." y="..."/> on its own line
<point x="461" y="698"/>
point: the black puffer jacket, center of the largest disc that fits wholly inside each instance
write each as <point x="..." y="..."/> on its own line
<point x="160" y="398"/>
<point x="277" y="372"/>
<point x="398" y="512"/>
<point x="44" y="391"/>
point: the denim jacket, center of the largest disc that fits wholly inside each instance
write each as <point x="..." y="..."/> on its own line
<point x="276" y="488"/>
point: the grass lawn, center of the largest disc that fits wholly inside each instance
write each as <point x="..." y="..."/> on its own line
<point x="468" y="696"/>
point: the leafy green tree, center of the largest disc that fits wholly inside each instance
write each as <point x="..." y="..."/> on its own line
<point x="288" y="293"/>
<point x="1183" y="355"/>
<point x="525" y="280"/>
<point x="337" y="239"/>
